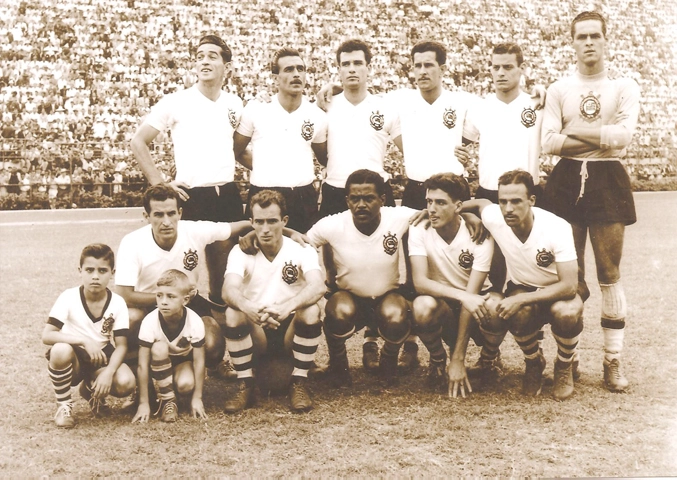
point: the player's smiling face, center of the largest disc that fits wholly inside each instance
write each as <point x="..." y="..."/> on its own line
<point x="365" y="204"/>
<point x="268" y="224"/>
<point x="164" y="219"/>
<point x="442" y="209"/>
<point x="505" y="72"/>
<point x="95" y="274"/>
<point x="209" y="64"/>
<point x="515" y="204"/>
<point x="427" y="72"/>
<point x="589" y="43"/>
<point x="170" y="301"/>
<point x="291" y="78"/>
<point x="353" y="69"/>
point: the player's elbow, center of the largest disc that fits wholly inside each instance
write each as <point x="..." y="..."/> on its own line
<point x="615" y="137"/>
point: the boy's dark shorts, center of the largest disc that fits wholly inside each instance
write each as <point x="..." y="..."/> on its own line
<point x="86" y="368"/>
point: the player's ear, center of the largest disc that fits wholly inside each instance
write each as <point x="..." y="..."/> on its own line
<point x="146" y="216"/>
<point x="532" y="200"/>
<point x="180" y="212"/>
<point x="285" y="219"/>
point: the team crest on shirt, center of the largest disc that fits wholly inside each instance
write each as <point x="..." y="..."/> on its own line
<point x="376" y="121"/>
<point x="544" y="258"/>
<point x="290" y="273"/>
<point x="107" y="325"/>
<point x="528" y="117"/>
<point x="190" y="260"/>
<point x="232" y="118"/>
<point x="465" y="259"/>
<point x="449" y="118"/>
<point x="390" y="243"/>
<point x="590" y="106"/>
<point x="307" y="130"/>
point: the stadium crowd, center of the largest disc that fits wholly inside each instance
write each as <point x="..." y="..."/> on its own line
<point x="77" y="76"/>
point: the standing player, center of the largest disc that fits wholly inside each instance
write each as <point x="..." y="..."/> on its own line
<point x="542" y="269"/>
<point x="285" y="134"/>
<point x="589" y="121"/>
<point x="202" y="120"/>
<point x="171" y="344"/>
<point x="169" y="242"/>
<point x="450" y="275"/>
<point x="365" y="244"/>
<point x="87" y="333"/>
<point x="273" y="299"/>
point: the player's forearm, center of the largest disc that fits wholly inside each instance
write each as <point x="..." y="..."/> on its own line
<point x="119" y="353"/>
<point x="572" y="147"/>
<point x="234" y="298"/>
<point x="310" y="295"/>
<point x="143" y="158"/>
<point x="589" y="135"/>
<point x="474" y="206"/>
<point x="426" y="286"/>
<point x="138" y="299"/>
<point x="245" y="158"/>
<point x="51" y="338"/>
<point x="552" y="293"/>
<point x="198" y="371"/>
<point x="461" y="346"/>
<point x="142" y="376"/>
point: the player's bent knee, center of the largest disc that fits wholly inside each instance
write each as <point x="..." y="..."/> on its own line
<point x="235" y="318"/>
<point x="124" y="382"/>
<point x="308" y="316"/>
<point x="185" y="384"/>
<point x="136" y="315"/>
<point x="424" y="308"/>
<point x="522" y="322"/>
<point x="159" y="351"/>
<point x="341" y="307"/>
<point x="61" y="355"/>
<point x="567" y="317"/>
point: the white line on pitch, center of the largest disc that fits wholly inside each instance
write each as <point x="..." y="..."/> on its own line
<point x="66" y="222"/>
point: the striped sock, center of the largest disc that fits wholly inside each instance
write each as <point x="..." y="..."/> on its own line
<point x="431" y="336"/>
<point x="529" y="344"/>
<point x="306" y="340"/>
<point x="492" y="345"/>
<point x="566" y="347"/>
<point x="370" y="335"/>
<point x="161" y="372"/>
<point x="61" y="380"/>
<point x="241" y="350"/>
<point x="391" y="349"/>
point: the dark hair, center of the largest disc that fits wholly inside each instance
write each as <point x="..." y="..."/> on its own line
<point x="354" y="45"/>
<point x="364" y="176"/>
<point x="160" y="193"/>
<point x="266" y="198"/>
<point x="431" y="46"/>
<point x="98" y="251"/>
<point x="509" y="49"/>
<point x="175" y="278"/>
<point x="516" y="177"/>
<point x="281" y="53"/>
<point x="453" y="185"/>
<point x="588" y="16"/>
<point x="226" y="54"/>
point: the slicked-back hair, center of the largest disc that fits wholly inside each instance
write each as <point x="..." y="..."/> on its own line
<point x="175" y="278"/>
<point x="364" y="176"/>
<point x="100" y="251"/>
<point x="516" y="177"/>
<point x="160" y="193"/>
<point x="266" y="198"/>
<point x="509" y="49"/>
<point x="226" y="54"/>
<point x="431" y="46"/>
<point x="588" y="16"/>
<point x="354" y="45"/>
<point x="281" y="53"/>
<point x="453" y="185"/>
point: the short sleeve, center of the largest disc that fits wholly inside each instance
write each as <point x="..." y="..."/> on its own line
<point x="318" y="234"/>
<point x="127" y="268"/>
<point x="321" y="127"/>
<point x="564" y="247"/>
<point x="310" y="260"/>
<point x="58" y="315"/>
<point x="236" y="262"/>
<point x="197" y="330"/>
<point x="121" y="324"/>
<point x="483" y="255"/>
<point x="160" y="116"/>
<point x="146" y="332"/>
<point x="416" y="243"/>
<point x="470" y="130"/>
<point x="246" y="126"/>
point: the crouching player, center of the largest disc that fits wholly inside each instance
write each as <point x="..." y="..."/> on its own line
<point x="543" y="278"/>
<point x="273" y="299"/>
<point x="450" y="275"/>
<point x="171" y="342"/>
<point x="81" y="325"/>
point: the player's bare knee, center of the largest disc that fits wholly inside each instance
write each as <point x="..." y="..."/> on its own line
<point x="522" y="322"/>
<point x="424" y="308"/>
<point x="235" y="318"/>
<point x="61" y="355"/>
<point x="567" y="317"/>
<point x="124" y="382"/>
<point x="136" y="315"/>
<point x="185" y="384"/>
<point x="341" y="307"/>
<point x="159" y="351"/>
<point x="308" y="316"/>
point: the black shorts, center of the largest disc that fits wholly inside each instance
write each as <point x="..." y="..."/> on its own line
<point x="200" y="306"/>
<point x="221" y="203"/>
<point x="275" y="338"/>
<point x="366" y="307"/>
<point x="179" y="359"/>
<point x="334" y="199"/>
<point x="607" y="197"/>
<point x="414" y="195"/>
<point x="492" y="195"/>
<point x="301" y="205"/>
<point x="450" y="327"/>
<point x="86" y="368"/>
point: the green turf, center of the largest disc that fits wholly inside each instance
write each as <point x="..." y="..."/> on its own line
<point x="405" y="431"/>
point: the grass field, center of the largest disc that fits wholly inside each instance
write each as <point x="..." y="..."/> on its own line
<point x="406" y="431"/>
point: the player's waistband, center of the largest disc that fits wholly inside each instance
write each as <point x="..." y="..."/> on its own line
<point x="584" y="170"/>
<point x="218" y="188"/>
<point x="283" y="189"/>
<point x="593" y="159"/>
